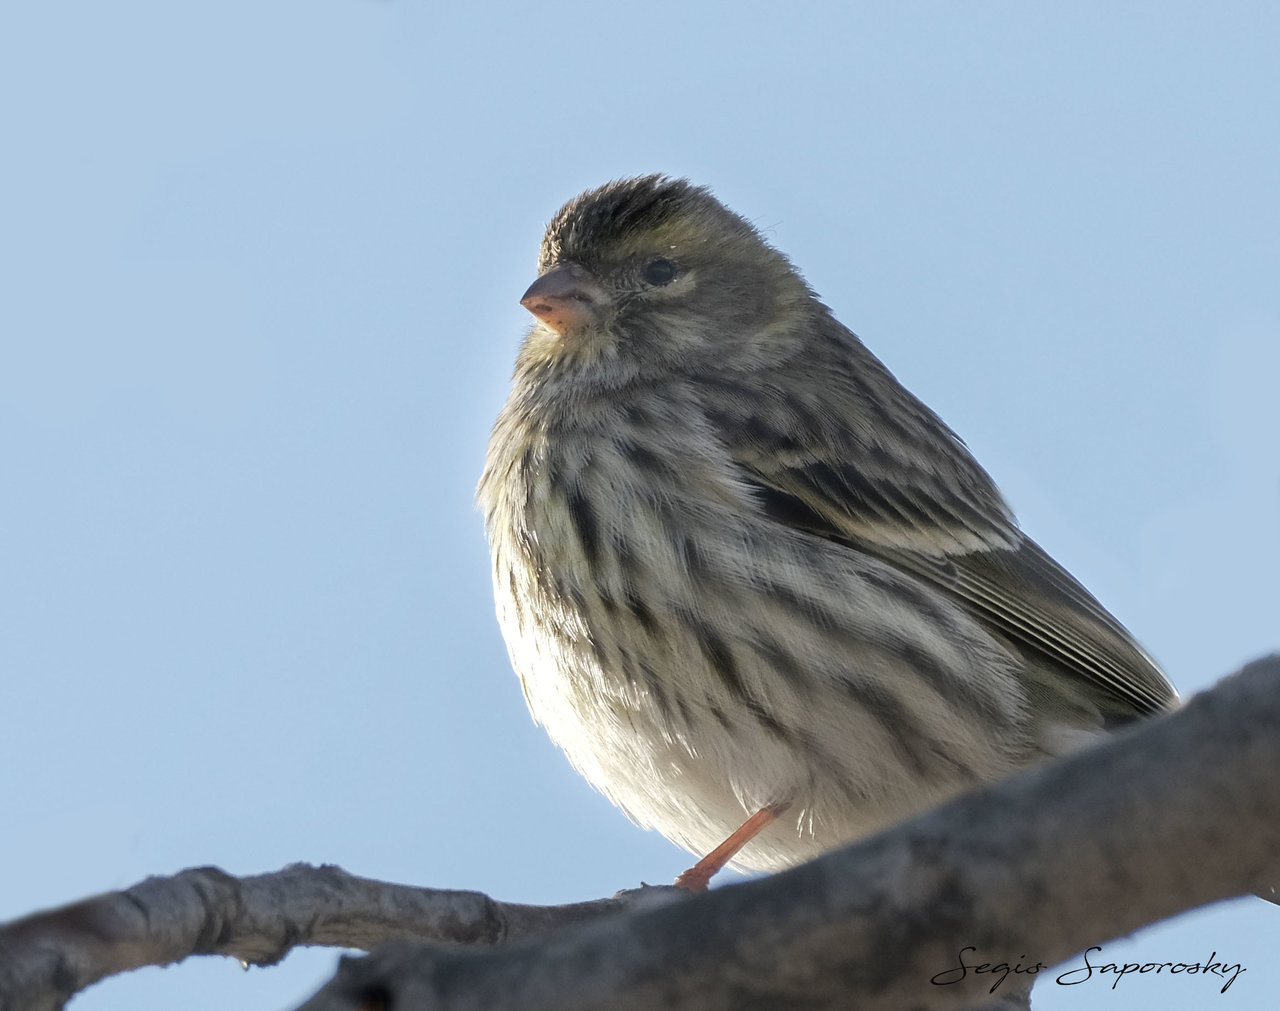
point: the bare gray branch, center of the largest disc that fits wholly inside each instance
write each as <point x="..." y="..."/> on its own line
<point x="48" y="957"/>
<point x="1174" y="814"/>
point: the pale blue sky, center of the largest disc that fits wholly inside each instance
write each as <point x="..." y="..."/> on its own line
<point x="261" y="264"/>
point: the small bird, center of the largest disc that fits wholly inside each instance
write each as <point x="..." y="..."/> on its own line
<point x="763" y="597"/>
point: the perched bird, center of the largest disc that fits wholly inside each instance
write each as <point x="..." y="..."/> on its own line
<point x="743" y="574"/>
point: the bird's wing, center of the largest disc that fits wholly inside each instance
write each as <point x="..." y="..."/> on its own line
<point x="870" y="467"/>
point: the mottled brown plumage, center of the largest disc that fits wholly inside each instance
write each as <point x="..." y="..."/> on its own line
<point x="738" y="566"/>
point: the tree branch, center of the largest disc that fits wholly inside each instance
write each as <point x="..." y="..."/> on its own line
<point x="1176" y="813"/>
<point x="1171" y="815"/>
<point x="48" y="957"/>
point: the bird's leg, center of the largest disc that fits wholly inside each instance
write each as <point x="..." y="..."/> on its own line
<point x="696" y="877"/>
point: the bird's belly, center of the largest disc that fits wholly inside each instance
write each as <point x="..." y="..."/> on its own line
<point x="716" y="703"/>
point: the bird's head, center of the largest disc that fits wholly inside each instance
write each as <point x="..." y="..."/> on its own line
<point x="653" y="274"/>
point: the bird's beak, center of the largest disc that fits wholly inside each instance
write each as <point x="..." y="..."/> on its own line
<point x="566" y="298"/>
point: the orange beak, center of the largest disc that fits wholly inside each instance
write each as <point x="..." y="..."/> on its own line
<point x="566" y="298"/>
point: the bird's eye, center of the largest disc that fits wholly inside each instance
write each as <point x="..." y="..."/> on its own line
<point x="659" y="272"/>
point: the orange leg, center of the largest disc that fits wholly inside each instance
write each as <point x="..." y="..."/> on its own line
<point x="696" y="877"/>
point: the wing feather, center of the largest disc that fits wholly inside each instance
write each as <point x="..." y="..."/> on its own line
<point x="862" y="463"/>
